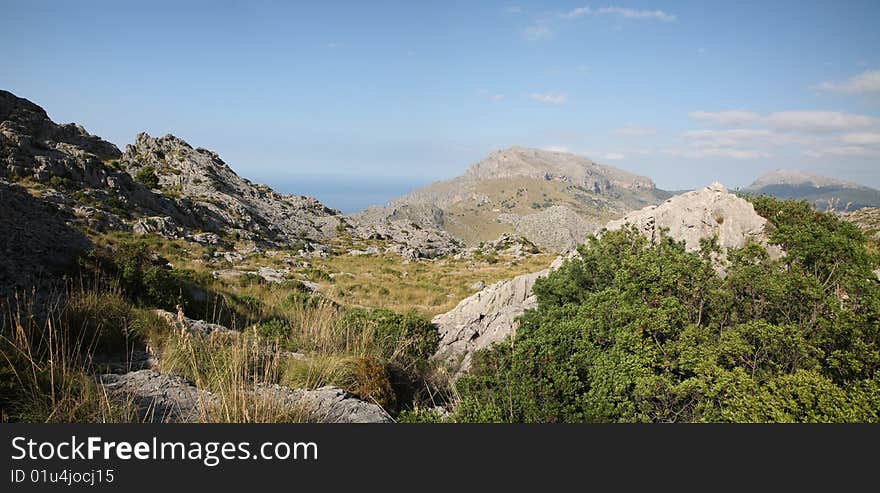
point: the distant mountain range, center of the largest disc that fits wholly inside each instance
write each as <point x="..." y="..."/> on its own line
<point x="823" y="192"/>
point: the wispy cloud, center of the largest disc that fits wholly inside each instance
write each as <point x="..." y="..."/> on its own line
<point x="862" y="138"/>
<point x="628" y="13"/>
<point x="844" y="152"/>
<point x="865" y="82"/>
<point x="547" y="25"/>
<point x="731" y="118"/>
<point x="815" y="134"/>
<point x="549" y="98"/>
<point x="819" y="121"/>
<point x="634" y="131"/>
<point x="805" y="121"/>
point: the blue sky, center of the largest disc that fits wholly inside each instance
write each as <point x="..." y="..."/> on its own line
<point x="355" y="102"/>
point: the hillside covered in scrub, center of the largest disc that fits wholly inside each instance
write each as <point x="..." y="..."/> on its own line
<point x="157" y="285"/>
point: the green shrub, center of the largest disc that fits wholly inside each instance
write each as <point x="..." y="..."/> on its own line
<point x="147" y="177"/>
<point x="406" y="339"/>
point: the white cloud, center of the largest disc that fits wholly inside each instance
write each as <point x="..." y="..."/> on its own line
<point x="628" y="13"/>
<point x="725" y="152"/>
<point x="549" y="98"/>
<point x="819" y="121"/>
<point x="731" y="118"/>
<point x="844" y="152"/>
<point x="804" y="121"/>
<point x="862" y="138"/>
<point x="727" y="138"/>
<point x="865" y="82"/>
<point x="614" y="156"/>
<point x="635" y="131"/>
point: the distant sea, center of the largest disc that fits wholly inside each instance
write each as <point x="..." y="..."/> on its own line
<point x="346" y="194"/>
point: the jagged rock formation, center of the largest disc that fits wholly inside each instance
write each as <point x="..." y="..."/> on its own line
<point x="528" y="191"/>
<point x="489" y="316"/>
<point x="823" y="192"/>
<point x="482" y="319"/>
<point x="170" y="398"/>
<point x="229" y="202"/>
<point x="159" y="185"/>
<point x="414" y="231"/>
<point x="509" y="245"/>
<point x="556" y="229"/>
<point x="693" y="216"/>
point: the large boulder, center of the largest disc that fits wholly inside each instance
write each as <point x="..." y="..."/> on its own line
<point x="701" y="214"/>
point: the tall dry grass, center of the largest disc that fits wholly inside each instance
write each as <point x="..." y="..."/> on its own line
<point x="44" y="369"/>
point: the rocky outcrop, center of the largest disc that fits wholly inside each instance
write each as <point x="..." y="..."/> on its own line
<point x="413" y="232"/>
<point x="325" y="405"/>
<point x="192" y="326"/>
<point x="509" y="245"/>
<point x="693" y="216"/>
<point x="482" y="319"/>
<point x="157" y="397"/>
<point x="229" y="203"/>
<point x="485" y="318"/>
<point x="167" y="398"/>
<point x="555" y="229"/>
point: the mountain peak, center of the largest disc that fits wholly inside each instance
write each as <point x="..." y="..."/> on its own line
<point x="526" y="162"/>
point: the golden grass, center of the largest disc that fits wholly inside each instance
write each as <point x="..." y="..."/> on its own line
<point x="427" y="286"/>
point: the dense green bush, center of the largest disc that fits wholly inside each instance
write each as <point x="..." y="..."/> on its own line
<point x="147" y="177"/>
<point x="406" y="339"/>
<point x="143" y="276"/>
<point x="634" y="331"/>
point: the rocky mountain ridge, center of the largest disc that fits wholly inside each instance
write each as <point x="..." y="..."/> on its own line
<point x="554" y="199"/>
<point x="822" y="192"/>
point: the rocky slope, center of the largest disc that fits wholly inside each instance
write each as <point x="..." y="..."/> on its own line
<point x="552" y="198"/>
<point x="489" y="316"/>
<point x="823" y="192"/>
<point x="228" y="202"/>
<point x="158" y="185"/>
